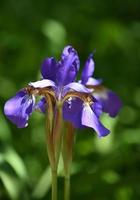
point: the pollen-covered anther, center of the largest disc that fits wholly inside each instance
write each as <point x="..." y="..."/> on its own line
<point x="40" y="91"/>
<point x="88" y="100"/>
<point x="31" y="90"/>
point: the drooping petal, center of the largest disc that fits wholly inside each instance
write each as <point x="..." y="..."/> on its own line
<point x="89" y="119"/>
<point x="41" y="105"/>
<point x="68" y="66"/>
<point x="72" y="111"/>
<point x="97" y="108"/>
<point x="49" y="69"/>
<point x="111" y="103"/>
<point x="78" y="87"/>
<point x="42" y="84"/>
<point x="19" y="108"/>
<point x="88" y="70"/>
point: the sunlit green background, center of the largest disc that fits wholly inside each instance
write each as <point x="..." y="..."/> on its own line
<point x="31" y="30"/>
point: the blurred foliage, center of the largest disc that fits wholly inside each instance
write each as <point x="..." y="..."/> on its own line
<point x="30" y="30"/>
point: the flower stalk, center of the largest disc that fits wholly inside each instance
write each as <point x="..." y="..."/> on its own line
<point x="54" y="138"/>
<point x="67" y="187"/>
<point x="57" y="132"/>
<point x="50" y="147"/>
<point x="49" y="136"/>
<point x="68" y="142"/>
<point x="54" y="184"/>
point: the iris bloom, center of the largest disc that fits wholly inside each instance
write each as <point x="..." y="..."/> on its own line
<point x="104" y="100"/>
<point x="110" y="102"/>
<point x="82" y="102"/>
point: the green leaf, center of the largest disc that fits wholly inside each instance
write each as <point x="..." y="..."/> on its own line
<point x="16" y="162"/>
<point x="44" y="183"/>
<point x="11" y="184"/>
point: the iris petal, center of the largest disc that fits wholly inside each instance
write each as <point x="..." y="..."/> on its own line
<point x="111" y="103"/>
<point x="49" y="69"/>
<point x="41" y="105"/>
<point x="87" y="70"/>
<point x="89" y="119"/>
<point x="72" y="111"/>
<point x="42" y="84"/>
<point x="97" y="108"/>
<point x="68" y="66"/>
<point x="78" y="87"/>
<point x="93" y="81"/>
<point x="19" y="108"/>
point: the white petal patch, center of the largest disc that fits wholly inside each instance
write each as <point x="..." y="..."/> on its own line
<point x="42" y="84"/>
<point x="93" y="81"/>
<point x="87" y="116"/>
<point x="77" y="87"/>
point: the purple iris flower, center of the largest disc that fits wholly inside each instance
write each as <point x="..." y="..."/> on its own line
<point x="58" y="76"/>
<point x="19" y="108"/>
<point x="110" y="102"/>
<point x="61" y="75"/>
<point x="80" y="113"/>
<point x="82" y="104"/>
<point x="86" y="114"/>
<point x="104" y="101"/>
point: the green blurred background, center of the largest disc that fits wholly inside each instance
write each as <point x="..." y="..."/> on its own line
<point x="31" y="30"/>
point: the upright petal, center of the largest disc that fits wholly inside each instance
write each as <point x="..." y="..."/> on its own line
<point x="19" y="108"/>
<point x="89" y="119"/>
<point x="88" y="70"/>
<point x="68" y="66"/>
<point x="111" y="103"/>
<point x="49" y="69"/>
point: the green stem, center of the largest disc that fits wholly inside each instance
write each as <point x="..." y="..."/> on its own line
<point x="68" y="141"/>
<point x="54" y="184"/>
<point x="57" y="134"/>
<point x="49" y="129"/>
<point x="67" y="188"/>
<point x="54" y="139"/>
<point x="50" y="146"/>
